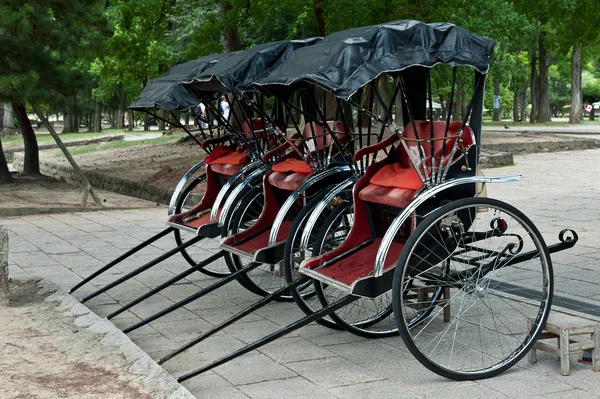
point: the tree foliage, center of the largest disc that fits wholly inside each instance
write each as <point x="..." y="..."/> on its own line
<point x="81" y="57"/>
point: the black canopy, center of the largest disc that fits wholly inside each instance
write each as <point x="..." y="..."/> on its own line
<point x="167" y="92"/>
<point x="345" y="61"/>
<point x="237" y="71"/>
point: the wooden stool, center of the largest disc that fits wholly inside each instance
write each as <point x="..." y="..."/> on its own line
<point x="563" y="327"/>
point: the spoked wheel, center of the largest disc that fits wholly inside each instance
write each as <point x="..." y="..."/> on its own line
<point x="265" y="278"/>
<point x="294" y="255"/>
<point x="189" y="198"/>
<point x="371" y="318"/>
<point x="496" y="272"/>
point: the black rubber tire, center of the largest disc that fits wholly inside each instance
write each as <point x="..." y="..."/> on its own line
<point x="477" y="286"/>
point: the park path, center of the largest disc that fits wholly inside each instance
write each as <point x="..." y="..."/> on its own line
<point x="558" y="190"/>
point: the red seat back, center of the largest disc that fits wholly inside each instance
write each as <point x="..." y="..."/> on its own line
<point x="257" y="127"/>
<point x="321" y="138"/>
<point x="439" y="131"/>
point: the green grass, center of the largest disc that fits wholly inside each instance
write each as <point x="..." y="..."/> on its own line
<point x="85" y="149"/>
<point x="47" y="138"/>
<point x="42" y="138"/>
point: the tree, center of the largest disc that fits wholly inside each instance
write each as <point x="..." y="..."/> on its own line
<point x="579" y="35"/>
<point x="135" y="51"/>
<point x="37" y="37"/>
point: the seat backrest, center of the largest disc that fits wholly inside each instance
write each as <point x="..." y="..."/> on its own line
<point x="321" y="139"/>
<point x="257" y="128"/>
<point x="439" y="131"/>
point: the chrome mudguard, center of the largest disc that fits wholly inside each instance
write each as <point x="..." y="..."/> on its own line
<point x="227" y="186"/>
<point x="314" y="216"/>
<point x="420" y="199"/>
<point x="181" y="185"/>
<point x="296" y="194"/>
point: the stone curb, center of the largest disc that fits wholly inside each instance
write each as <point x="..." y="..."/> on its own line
<point x="156" y="381"/>
<point x="544" y="146"/>
<point x="9" y="153"/>
<point x="3" y="265"/>
<point x="489" y="158"/>
<point x="101" y="181"/>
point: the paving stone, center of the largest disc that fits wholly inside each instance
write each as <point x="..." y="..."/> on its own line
<point x="297" y="388"/>
<point x="293" y="349"/>
<point x="253" y="368"/>
<point x="333" y="372"/>
<point x="525" y="384"/>
<point x="314" y="361"/>
<point x="377" y="390"/>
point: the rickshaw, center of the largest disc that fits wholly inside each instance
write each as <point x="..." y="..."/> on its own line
<point x="303" y="167"/>
<point x="167" y="93"/>
<point x="467" y="280"/>
<point x="228" y="181"/>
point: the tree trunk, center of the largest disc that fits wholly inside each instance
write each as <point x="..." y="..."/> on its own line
<point x="31" y="163"/>
<point x="382" y="88"/>
<point x="96" y="123"/>
<point x="576" y="114"/>
<point x="462" y="94"/>
<point x="523" y="103"/>
<point x="533" y="81"/>
<point x="320" y="16"/>
<point x="544" y="111"/>
<point x="75" y="122"/>
<point x="8" y="120"/>
<point x="130" y="120"/>
<point x="71" y="123"/>
<point x="146" y="122"/>
<point x="230" y="39"/>
<point x="121" y="110"/>
<point x="113" y="118"/>
<point x="67" y="121"/>
<point x="161" y="121"/>
<point x="174" y="120"/>
<point x="516" y="99"/>
<point x="497" y="112"/>
<point x="5" y="176"/>
<point x="398" y="117"/>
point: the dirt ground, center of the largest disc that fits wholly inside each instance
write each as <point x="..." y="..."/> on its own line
<point x="42" y="356"/>
<point x="164" y="164"/>
<point x="42" y="194"/>
<point x="159" y="164"/>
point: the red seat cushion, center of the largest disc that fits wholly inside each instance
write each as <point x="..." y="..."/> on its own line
<point x="216" y="153"/>
<point x="226" y="169"/>
<point x="292" y="165"/>
<point x="391" y="196"/>
<point x="285" y="181"/>
<point x="360" y="264"/>
<point x="394" y="175"/>
<point x="231" y="157"/>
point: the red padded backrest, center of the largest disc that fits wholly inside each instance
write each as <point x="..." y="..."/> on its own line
<point x="424" y="132"/>
<point x="257" y="127"/>
<point x="322" y="139"/>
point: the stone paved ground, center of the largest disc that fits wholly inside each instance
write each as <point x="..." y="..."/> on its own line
<point x="559" y="190"/>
